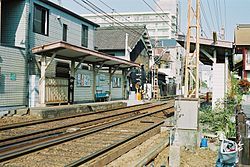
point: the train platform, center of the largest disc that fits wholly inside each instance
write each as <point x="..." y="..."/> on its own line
<point x="64" y="110"/>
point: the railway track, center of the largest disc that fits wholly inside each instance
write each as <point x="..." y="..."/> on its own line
<point x="23" y="144"/>
<point x="15" y="131"/>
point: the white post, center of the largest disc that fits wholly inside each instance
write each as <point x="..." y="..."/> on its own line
<point x="42" y="83"/>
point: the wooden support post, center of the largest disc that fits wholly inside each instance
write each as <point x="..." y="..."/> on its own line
<point x="94" y="81"/>
<point x="192" y="60"/>
<point x="110" y="82"/>
<point x="186" y="79"/>
<point x="197" y="85"/>
<point x="42" y="83"/>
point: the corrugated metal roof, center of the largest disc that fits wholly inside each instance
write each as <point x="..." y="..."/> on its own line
<point x="68" y="51"/>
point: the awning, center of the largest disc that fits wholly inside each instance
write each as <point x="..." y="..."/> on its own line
<point x="66" y="51"/>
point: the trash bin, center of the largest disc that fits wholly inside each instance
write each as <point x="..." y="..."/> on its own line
<point x="227" y="154"/>
<point x="203" y="143"/>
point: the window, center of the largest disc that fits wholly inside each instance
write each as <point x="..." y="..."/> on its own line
<point x="40" y="20"/>
<point x="116" y="82"/>
<point x="65" y="32"/>
<point x="84" y="36"/>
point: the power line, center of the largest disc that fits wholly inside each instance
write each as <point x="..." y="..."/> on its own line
<point x="205" y="17"/>
<point x="220" y="13"/>
<point x="225" y="15"/>
<point x="99" y="10"/>
<point x="217" y="14"/>
<point x="121" y="27"/>
<point x="166" y="15"/>
<point x="211" y="14"/>
<point x="117" y="12"/>
<point x="158" y="14"/>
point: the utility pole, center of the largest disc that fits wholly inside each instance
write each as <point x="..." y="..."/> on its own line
<point x="192" y="59"/>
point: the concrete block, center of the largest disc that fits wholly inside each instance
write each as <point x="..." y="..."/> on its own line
<point x="188" y="138"/>
<point x="3" y="113"/>
<point x="22" y="112"/>
<point x="165" y="129"/>
<point x="11" y="113"/>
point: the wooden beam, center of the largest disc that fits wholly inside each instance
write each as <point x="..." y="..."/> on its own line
<point x="51" y="59"/>
<point x="115" y="69"/>
<point x="80" y="62"/>
<point x="94" y="81"/>
<point x="149" y="156"/>
<point x="110" y="82"/>
<point x="207" y="54"/>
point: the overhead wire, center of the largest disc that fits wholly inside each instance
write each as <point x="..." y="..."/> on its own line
<point x="113" y="10"/>
<point x="103" y="17"/>
<point x="217" y="14"/>
<point x="212" y="19"/>
<point x="225" y="17"/>
<point x="167" y="16"/>
<point x="205" y="17"/>
<point x="96" y="8"/>
<point x="219" y="7"/>
<point x="158" y="15"/>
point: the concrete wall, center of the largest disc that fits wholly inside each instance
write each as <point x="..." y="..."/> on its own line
<point x="13" y="77"/>
<point x="218" y="82"/>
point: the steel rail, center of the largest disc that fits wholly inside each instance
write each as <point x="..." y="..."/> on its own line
<point x="28" y="123"/>
<point x="51" y="131"/>
<point x="9" y="154"/>
<point x="106" y="149"/>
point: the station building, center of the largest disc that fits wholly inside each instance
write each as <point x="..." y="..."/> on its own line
<point x="48" y="55"/>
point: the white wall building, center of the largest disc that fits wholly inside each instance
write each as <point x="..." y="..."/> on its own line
<point x="158" y="25"/>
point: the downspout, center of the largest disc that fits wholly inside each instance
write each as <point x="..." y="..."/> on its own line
<point x="27" y="48"/>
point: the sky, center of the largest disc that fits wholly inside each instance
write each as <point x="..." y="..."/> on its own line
<point x="227" y="13"/>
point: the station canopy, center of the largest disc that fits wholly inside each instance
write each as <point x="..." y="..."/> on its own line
<point x="66" y="51"/>
<point x="223" y="49"/>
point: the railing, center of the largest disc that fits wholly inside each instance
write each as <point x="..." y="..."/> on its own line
<point x="56" y="90"/>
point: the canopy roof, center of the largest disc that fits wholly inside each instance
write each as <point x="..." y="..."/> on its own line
<point x="66" y="51"/>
